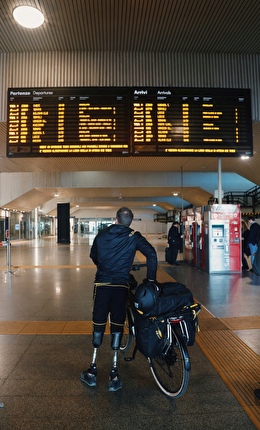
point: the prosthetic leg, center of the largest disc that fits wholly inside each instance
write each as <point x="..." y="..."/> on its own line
<point x="89" y="376"/>
<point x="114" y="381"/>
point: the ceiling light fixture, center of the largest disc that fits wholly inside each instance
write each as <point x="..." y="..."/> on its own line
<point x="28" y="16"/>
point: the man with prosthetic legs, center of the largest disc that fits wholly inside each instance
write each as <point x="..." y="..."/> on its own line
<point x="108" y="299"/>
<point x="113" y="252"/>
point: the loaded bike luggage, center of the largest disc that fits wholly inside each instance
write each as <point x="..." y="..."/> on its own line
<point x="164" y="321"/>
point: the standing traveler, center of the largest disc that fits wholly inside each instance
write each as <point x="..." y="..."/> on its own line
<point x="174" y="241"/>
<point x="253" y="237"/>
<point x="257" y="393"/>
<point x="113" y="252"/>
<point x="245" y="245"/>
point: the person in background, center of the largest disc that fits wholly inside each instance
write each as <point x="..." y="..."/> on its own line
<point x="253" y="237"/>
<point x="245" y="245"/>
<point x="113" y="252"/>
<point x="257" y="393"/>
<point x="174" y="241"/>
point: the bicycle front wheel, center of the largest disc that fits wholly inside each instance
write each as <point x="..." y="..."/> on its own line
<point x="127" y="334"/>
<point x="171" y="370"/>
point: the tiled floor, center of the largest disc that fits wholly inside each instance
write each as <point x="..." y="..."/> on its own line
<point x="45" y="342"/>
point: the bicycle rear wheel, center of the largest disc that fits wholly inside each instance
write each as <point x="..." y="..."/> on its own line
<point x="171" y="370"/>
<point x="127" y="335"/>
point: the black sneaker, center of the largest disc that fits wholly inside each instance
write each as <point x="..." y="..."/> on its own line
<point x="115" y="384"/>
<point x="89" y="376"/>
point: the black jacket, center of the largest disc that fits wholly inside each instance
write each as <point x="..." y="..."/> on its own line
<point x="174" y="237"/>
<point x="254" y="233"/>
<point x="113" y="252"/>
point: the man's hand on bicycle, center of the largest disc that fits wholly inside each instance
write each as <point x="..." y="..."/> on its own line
<point x="152" y="282"/>
<point x="137" y="266"/>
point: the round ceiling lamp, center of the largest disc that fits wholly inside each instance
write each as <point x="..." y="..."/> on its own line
<point x="28" y="16"/>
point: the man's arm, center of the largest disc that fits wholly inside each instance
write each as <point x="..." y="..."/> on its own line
<point x="93" y="252"/>
<point x="151" y="257"/>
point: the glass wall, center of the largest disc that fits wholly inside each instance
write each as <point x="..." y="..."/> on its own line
<point x="34" y="224"/>
<point x="90" y="226"/>
<point x="14" y="225"/>
<point x="2" y="229"/>
<point x="46" y="226"/>
<point x="25" y="225"/>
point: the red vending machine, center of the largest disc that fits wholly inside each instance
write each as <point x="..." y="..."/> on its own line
<point x="223" y="233"/>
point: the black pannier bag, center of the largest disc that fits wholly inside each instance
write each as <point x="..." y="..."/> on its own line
<point x="173" y="296"/>
<point x="150" y="335"/>
<point x="175" y="300"/>
<point x="189" y="324"/>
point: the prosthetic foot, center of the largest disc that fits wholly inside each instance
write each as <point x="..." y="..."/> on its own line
<point x="89" y="377"/>
<point x="115" y="382"/>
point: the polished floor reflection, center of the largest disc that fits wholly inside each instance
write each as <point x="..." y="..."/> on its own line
<point x="45" y="342"/>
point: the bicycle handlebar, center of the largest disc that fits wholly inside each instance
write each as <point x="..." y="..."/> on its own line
<point x="136" y="266"/>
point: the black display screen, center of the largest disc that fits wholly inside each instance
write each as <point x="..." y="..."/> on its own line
<point x="129" y="121"/>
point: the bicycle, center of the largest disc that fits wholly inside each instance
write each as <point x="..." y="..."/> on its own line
<point x="171" y="369"/>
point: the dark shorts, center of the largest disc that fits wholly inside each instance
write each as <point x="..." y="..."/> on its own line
<point x="109" y="299"/>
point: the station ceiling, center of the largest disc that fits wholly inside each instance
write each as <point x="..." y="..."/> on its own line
<point x="190" y="26"/>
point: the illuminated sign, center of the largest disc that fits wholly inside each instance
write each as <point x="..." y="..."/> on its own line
<point x="129" y="121"/>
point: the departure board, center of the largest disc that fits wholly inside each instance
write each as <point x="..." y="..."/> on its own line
<point x="129" y="121"/>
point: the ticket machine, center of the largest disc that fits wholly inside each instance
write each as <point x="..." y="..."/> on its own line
<point x="223" y="239"/>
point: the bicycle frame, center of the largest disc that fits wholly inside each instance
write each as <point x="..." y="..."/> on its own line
<point x="179" y="321"/>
